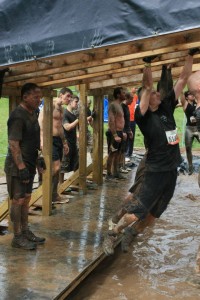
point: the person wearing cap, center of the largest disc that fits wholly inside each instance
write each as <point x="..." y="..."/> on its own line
<point x="189" y="104"/>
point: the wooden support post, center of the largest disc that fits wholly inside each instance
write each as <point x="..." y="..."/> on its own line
<point x="47" y="152"/>
<point x="98" y="139"/>
<point x="83" y="139"/>
<point x="12" y="103"/>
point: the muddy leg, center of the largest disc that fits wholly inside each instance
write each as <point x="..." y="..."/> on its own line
<point x="131" y="232"/>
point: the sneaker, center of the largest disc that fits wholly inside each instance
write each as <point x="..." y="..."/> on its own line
<point x="132" y="165"/>
<point x="111" y="224"/>
<point x="119" y="176"/>
<point x="127" y="159"/>
<point x="109" y="242"/>
<point x="123" y="170"/>
<point x="22" y="242"/>
<point x="109" y="177"/>
<point x="190" y="170"/>
<point x="127" y="238"/>
<point x="128" y="169"/>
<point x="30" y="236"/>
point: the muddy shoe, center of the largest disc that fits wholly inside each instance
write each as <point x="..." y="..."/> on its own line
<point x="120" y="176"/>
<point x="21" y="242"/>
<point x="190" y="170"/>
<point x="127" y="238"/>
<point x="109" y="177"/>
<point x="30" y="236"/>
<point x="108" y="243"/>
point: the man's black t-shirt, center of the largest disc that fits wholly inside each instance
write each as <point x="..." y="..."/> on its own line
<point x="189" y="112"/>
<point x="23" y="127"/>
<point x="69" y="118"/>
<point x="161" y="156"/>
<point x="126" y="117"/>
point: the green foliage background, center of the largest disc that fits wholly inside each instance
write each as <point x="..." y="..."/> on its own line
<point x="4" y="112"/>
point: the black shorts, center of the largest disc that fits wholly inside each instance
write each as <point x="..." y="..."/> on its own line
<point x="17" y="189"/>
<point x="57" y="150"/>
<point x="154" y="195"/>
<point x="70" y="162"/>
<point x="139" y="176"/>
<point x="114" y="146"/>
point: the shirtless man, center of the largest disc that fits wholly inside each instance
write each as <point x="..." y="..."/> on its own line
<point x="115" y="135"/>
<point x="59" y="141"/>
<point x="189" y="104"/>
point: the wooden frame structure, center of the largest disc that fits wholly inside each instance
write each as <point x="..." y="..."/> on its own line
<point x="96" y="72"/>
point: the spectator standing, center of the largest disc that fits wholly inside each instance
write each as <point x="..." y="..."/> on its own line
<point x="20" y="164"/>
<point x="189" y="104"/>
<point x="130" y="140"/>
<point x="59" y="141"/>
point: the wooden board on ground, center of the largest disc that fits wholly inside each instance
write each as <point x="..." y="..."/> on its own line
<point x="37" y="194"/>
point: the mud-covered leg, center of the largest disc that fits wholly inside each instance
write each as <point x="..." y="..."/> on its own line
<point x="131" y="232"/>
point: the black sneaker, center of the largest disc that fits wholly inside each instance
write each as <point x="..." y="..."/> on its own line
<point x="30" y="236"/>
<point x="109" y="242"/>
<point x="190" y="170"/>
<point x="119" y="176"/>
<point x="21" y="242"/>
<point x="127" y="238"/>
<point x="109" y="177"/>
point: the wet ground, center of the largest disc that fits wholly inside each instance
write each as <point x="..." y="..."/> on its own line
<point x="160" y="262"/>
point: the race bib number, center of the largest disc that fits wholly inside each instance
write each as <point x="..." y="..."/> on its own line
<point x="172" y="137"/>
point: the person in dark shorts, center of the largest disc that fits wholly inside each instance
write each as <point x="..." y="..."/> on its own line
<point x="127" y="129"/>
<point x="129" y="233"/>
<point x="90" y="113"/>
<point x="115" y="135"/>
<point x="70" y="162"/>
<point x="156" y="122"/>
<point x="189" y="104"/>
<point x="20" y="164"/>
<point x="60" y="144"/>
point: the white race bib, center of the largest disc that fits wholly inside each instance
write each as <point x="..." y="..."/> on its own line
<point x="172" y="137"/>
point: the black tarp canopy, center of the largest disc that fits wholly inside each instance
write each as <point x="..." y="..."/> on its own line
<point x="36" y="28"/>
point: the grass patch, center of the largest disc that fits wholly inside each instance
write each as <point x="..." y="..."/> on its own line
<point x="4" y="111"/>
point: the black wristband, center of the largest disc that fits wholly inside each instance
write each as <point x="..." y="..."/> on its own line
<point x="24" y="174"/>
<point x="41" y="163"/>
<point x="193" y="51"/>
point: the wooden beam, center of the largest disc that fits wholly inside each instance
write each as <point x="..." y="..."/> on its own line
<point x="66" y="60"/>
<point x="81" y="64"/>
<point x="47" y="152"/>
<point x="135" y="78"/>
<point x="16" y="92"/>
<point x="83" y="138"/>
<point x="98" y="139"/>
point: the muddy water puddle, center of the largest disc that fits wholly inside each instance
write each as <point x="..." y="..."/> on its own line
<point x="160" y="260"/>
